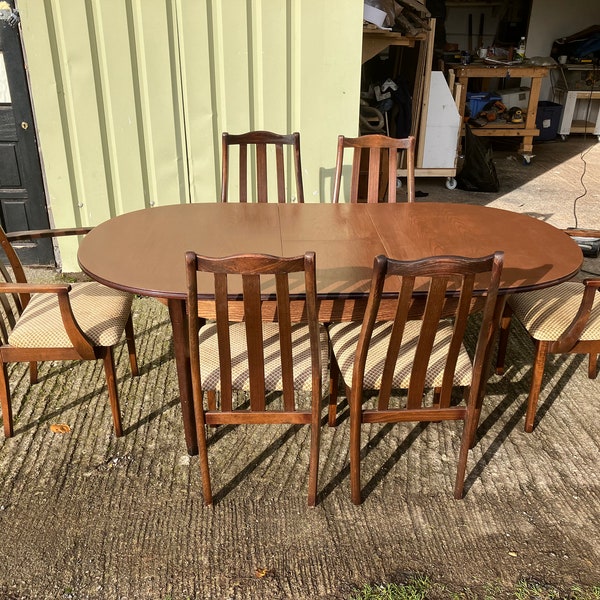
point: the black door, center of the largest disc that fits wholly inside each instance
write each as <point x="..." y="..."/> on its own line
<point x="22" y="197"/>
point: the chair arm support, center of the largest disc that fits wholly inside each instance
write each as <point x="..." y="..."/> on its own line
<point x="573" y="332"/>
<point x="45" y="233"/>
<point x="80" y="341"/>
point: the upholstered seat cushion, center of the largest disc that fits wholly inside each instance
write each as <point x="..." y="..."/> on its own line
<point x="344" y="340"/>
<point x="547" y="313"/>
<point x="209" y="357"/>
<point x="100" y="312"/>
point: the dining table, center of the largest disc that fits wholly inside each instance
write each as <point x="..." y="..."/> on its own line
<point x="143" y="252"/>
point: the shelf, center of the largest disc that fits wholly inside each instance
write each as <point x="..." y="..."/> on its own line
<point x="376" y="40"/>
<point x="568" y="122"/>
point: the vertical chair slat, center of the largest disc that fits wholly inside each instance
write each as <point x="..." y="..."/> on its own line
<point x="374" y="169"/>
<point x="458" y="334"/>
<point x="355" y="175"/>
<point x="254" y="339"/>
<point x="285" y="340"/>
<point x="223" y="338"/>
<point x="280" y="172"/>
<point x="261" y="173"/>
<point x="392" y="174"/>
<point x="398" y="326"/>
<point x="243" y="173"/>
<point x="429" y="328"/>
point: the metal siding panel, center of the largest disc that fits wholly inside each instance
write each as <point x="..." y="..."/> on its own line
<point x="199" y="100"/>
<point x="74" y="32"/>
<point x="158" y="64"/>
<point x="122" y="119"/>
<point x="131" y="97"/>
<point x="234" y="67"/>
<point x="327" y="88"/>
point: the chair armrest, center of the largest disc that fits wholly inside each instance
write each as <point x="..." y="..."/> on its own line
<point x="80" y="341"/>
<point x="573" y="332"/>
<point x="593" y="233"/>
<point x="45" y="233"/>
<point x="34" y="288"/>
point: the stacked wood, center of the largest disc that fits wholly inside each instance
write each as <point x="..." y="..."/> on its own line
<point x="409" y="17"/>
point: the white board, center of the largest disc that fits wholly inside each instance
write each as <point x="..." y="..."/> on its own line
<point x="443" y="124"/>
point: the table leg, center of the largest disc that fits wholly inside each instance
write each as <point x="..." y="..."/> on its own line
<point x="182" y="360"/>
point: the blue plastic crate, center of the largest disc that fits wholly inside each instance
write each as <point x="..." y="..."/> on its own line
<point x="477" y="100"/>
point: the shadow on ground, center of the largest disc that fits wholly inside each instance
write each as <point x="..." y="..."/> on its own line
<point x="86" y="515"/>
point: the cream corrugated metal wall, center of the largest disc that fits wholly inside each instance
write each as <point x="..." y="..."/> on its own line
<point x="131" y="96"/>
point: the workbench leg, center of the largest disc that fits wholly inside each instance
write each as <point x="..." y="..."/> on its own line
<point x="526" y="146"/>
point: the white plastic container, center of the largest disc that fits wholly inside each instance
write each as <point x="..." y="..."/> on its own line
<point x="518" y="97"/>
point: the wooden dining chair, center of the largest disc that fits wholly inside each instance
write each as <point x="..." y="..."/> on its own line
<point x="58" y="321"/>
<point x="265" y="144"/>
<point x="562" y="319"/>
<point x="416" y="353"/>
<point x="262" y="346"/>
<point x="376" y="159"/>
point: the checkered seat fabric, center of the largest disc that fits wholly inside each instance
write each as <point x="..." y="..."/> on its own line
<point x="344" y="340"/>
<point x="547" y="313"/>
<point x="209" y="357"/>
<point x="101" y="313"/>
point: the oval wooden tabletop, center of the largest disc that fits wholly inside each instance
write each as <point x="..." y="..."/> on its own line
<point x="143" y="251"/>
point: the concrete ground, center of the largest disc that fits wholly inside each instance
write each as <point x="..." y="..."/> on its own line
<point x="85" y="515"/>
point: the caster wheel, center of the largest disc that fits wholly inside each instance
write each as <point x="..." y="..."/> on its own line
<point x="563" y="137"/>
<point x="398" y="183"/>
<point x="451" y="183"/>
<point x="527" y="159"/>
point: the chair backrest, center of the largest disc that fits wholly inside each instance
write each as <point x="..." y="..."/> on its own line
<point x="265" y="143"/>
<point x="441" y="290"/>
<point x="264" y="280"/>
<point x="382" y="159"/>
<point x="11" y="271"/>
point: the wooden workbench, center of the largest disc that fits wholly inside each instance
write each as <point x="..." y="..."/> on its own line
<point x="526" y="130"/>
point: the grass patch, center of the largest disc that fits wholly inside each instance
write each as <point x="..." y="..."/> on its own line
<point x="415" y="589"/>
<point x="421" y="588"/>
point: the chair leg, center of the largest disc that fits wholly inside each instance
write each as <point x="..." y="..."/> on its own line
<point x="202" y="451"/>
<point x="33" y="372"/>
<point x="130" y="337"/>
<point x="7" y="416"/>
<point x="334" y="380"/>
<point x="593" y="366"/>
<point x="503" y="338"/>
<point x="541" y="351"/>
<point x="472" y="422"/>
<point x="315" y="440"/>
<point x="469" y="425"/>
<point x="355" y="423"/>
<point x="113" y="394"/>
